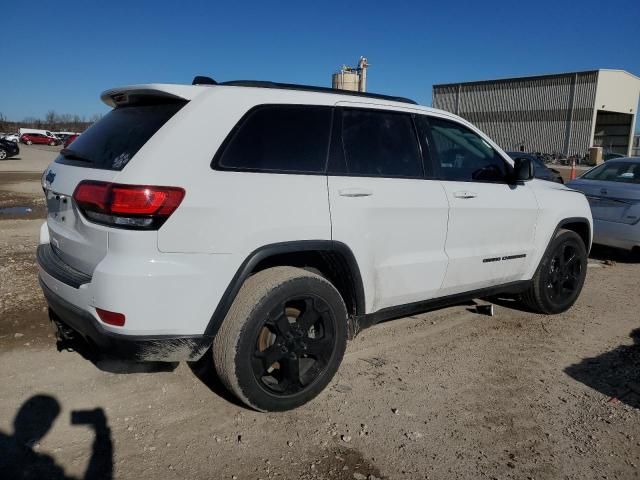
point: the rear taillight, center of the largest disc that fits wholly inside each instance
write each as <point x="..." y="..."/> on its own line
<point x="112" y="318"/>
<point x="140" y="207"/>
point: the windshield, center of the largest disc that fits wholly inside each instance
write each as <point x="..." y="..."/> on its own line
<point x="111" y="142"/>
<point x="625" y="172"/>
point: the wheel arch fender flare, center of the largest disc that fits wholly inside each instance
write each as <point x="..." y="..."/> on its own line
<point x="261" y="254"/>
<point x="579" y="225"/>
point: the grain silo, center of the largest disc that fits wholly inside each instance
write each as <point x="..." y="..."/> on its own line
<point x="351" y="78"/>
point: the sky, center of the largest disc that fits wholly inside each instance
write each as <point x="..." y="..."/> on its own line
<point x="60" y="56"/>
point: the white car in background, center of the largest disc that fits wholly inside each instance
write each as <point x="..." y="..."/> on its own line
<point x="12" y="137"/>
<point x="294" y="218"/>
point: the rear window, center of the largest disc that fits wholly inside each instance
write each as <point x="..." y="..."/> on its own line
<point x="111" y="142"/>
<point x="380" y="144"/>
<point x="624" y="172"/>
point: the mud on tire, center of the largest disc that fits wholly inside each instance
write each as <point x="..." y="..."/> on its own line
<point x="282" y="339"/>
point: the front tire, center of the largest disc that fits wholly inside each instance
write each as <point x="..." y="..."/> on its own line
<point x="282" y="340"/>
<point x="3" y="154"/>
<point x="560" y="276"/>
<point x="29" y="142"/>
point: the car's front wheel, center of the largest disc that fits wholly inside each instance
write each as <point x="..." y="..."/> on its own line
<point x="282" y="339"/>
<point x="560" y="276"/>
<point x="3" y="154"/>
<point x="29" y="142"/>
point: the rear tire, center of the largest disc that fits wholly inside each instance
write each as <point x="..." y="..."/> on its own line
<point x="282" y="340"/>
<point x="560" y="276"/>
<point x="3" y="154"/>
<point x="52" y="144"/>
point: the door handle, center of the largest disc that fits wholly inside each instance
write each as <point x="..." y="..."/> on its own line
<point x="355" y="192"/>
<point x="465" y="194"/>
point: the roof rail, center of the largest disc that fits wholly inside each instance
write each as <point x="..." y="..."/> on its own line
<point x="310" y="88"/>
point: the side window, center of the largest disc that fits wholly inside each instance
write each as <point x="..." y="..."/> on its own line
<point x="463" y="155"/>
<point x="380" y="144"/>
<point x="280" y="138"/>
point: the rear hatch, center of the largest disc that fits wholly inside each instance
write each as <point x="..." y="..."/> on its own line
<point x="99" y="154"/>
<point x="612" y="201"/>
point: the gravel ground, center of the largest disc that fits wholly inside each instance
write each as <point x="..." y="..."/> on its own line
<point x="445" y="395"/>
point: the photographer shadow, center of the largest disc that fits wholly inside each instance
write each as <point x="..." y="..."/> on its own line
<point x="19" y="453"/>
<point x="615" y="374"/>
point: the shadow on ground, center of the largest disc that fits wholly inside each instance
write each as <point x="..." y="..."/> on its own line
<point x="78" y="345"/>
<point x="604" y="253"/>
<point x="615" y="374"/>
<point x="20" y="454"/>
<point x="205" y="371"/>
<point x="512" y="302"/>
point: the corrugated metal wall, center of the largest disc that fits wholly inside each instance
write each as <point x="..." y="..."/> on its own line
<point x="550" y="114"/>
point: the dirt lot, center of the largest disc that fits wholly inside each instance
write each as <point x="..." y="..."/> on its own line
<point x="449" y="394"/>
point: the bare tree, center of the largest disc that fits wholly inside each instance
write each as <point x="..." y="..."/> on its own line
<point x="52" y="121"/>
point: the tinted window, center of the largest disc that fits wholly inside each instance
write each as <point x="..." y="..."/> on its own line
<point x="625" y="172"/>
<point x="463" y="155"/>
<point x="287" y="138"/>
<point x="380" y="144"/>
<point x="110" y="143"/>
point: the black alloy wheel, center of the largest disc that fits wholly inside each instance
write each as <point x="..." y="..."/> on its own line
<point x="282" y="340"/>
<point x="563" y="276"/>
<point x="560" y="276"/>
<point x="294" y="346"/>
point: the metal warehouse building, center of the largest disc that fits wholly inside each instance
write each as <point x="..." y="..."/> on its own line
<point x="564" y="113"/>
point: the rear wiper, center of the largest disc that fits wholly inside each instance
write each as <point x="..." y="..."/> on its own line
<point x="73" y="155"/>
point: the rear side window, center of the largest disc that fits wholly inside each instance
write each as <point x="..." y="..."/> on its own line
<point x="280" y="138"/>
<point x="463" y="155"/>
<point x="380" y="144"/>
<point x="111" y="142"/>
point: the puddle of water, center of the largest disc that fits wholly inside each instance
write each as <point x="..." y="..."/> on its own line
<point x="16" y="210"/>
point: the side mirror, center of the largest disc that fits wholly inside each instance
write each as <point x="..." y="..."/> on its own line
<point x="522" y="169"/>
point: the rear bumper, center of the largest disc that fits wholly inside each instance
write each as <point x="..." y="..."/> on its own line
<point x="171" y="295"/>
<point x="127" y="347"/>
<point x="51" y="263"/>
<point x="614" y="234"/>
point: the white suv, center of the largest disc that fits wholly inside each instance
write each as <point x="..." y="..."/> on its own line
<point x="290" y="219"/>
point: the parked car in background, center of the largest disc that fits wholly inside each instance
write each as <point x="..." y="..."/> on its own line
<point x="12" y="137"/>
<point x="28" y="131"/>
<point x="69" y="140"/>
<point x="8" y="149"/>
<point x="62" y="136"/>
<point x="39" y="138"/>
<point x="613" y="191"/>
<point x="610" y="156"/>
<point x="540" y="170"/>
